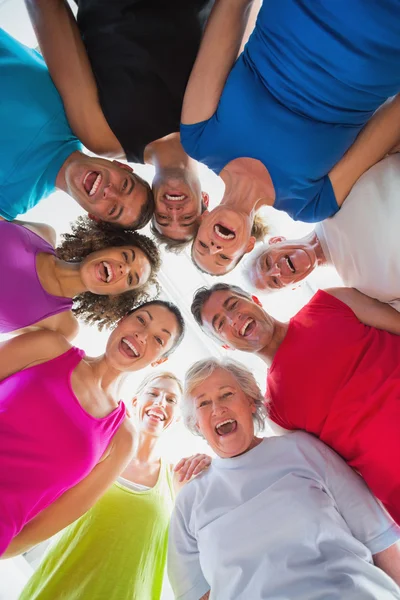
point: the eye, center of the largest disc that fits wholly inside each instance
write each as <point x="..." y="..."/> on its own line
<point x="224" y="257"/>
<point x="275" y="280"/>
<point x="153" y="394"/>
<point x="125" y="255"/>
<point x="129" y="279"/>
<point x="233" y="305"/>
<point x="171" y="400"/>
<point x="220" y="325"/>
<point x="227" y="394"/>
<point x="159" y="341"/>
<point x="188" y="217"/>
<point x="124" y="185"/>
<point x="203" y="403"/>
<point x="141" y="320"/>
<point x="203" y="245"/>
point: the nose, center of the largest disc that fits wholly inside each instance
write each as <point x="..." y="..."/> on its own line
<point x="218" y="409"/>
<point x="214" y="248"/>
<point x="173" y="208"/>
<point x="109" y="192"/>
<point x="160" y="400"/>
<point x="274" y="270"/>
<point x="123" y="268"/>
<point x="141" y="337"/>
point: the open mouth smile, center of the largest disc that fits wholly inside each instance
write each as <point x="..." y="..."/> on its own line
<point x="92" y="182"/>
<point x="128" y="348"/>
<point x="247" y="327"/>
<point x="175" y="197"/>
<point x="226" y="427"/>
<point x="105" y="272"/>
<point x="290" y="264"/>
<point x="155" y="414"/>
<point x="224" y="232"/>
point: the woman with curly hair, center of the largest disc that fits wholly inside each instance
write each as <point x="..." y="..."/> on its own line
<point x="98" y="273"/>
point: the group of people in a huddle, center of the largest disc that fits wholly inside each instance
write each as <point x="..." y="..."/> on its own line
<point x="295" y="105"/>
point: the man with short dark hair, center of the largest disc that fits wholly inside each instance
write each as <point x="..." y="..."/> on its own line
<point x="361" y="241"/>
<point x="41" y="154"/>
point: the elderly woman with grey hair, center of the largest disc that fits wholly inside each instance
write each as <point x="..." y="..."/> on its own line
<point x="279" y="517"/>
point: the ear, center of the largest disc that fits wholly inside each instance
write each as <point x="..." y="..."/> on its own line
<point x="250" y="245"/>
<point x="134" y="400"/>
<point x="204" y="214"/>
<point x="123" y="166"/>
<point x="253" y="406"/>
<point x="277" y="239"/>
<point x="159" y="361"/>
<point x="256" y="301"/>
<point x="94" y="218"/>
<point x="206" y="198"/>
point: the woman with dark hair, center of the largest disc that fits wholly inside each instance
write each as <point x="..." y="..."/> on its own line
<point x="98" y="272"/>
<point x="64" y="435"/>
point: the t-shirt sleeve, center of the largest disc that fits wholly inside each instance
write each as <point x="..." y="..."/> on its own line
<point x="365" y="517"/>
<point x="184" y="570"/>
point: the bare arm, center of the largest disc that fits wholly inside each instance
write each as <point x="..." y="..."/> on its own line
<point x="77" y="500"/>
<point x="218" y="51"/>
<point x="206" y="596"/>
<point x="389" y="561"/>
<point x="250" y="23"/>
<point x="379" y="136"/>
<point x="65" y="54"/>
<point x="369" y="310"/>
<point x="29" y="349"/>
<point x="47" y="232"/>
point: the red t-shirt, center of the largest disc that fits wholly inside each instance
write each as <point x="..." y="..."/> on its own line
<point x="339" y="379"/>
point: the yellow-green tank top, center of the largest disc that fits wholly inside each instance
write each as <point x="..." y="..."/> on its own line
<point x="116" y="551"/>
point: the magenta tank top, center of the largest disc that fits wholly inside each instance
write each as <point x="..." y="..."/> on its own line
<point x="48" y="442"/>
<point x="23" y="301"/>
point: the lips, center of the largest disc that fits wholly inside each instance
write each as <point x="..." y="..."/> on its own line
<point x="129" y="348"/>
<point x="175" y="197"/>
<point x="224" y="232"/>
<point x="290" y="264"/>
<point x="247" y="327"/>
<point x="226" y="427"/>
<point x="105" y="272"/>
<point x="92" y="182"/>
<point x="155" y="414"/>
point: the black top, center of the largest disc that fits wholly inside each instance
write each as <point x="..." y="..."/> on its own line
<point x="142" y="52"/>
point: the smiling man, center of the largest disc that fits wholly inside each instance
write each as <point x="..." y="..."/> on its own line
<point x="39" y="152"/>
<point x="361" y="241"/>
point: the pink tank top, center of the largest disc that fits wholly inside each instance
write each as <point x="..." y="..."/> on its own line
<point x="23" y="300"/>
<point x="48" y="442"/>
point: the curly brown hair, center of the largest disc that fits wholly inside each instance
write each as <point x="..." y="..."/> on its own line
<point x="89" y="236"/>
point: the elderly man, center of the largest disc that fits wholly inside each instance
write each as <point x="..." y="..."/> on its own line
<point x="40" y="154"/>
<point x="334" y="372"/>
<point x="122" y="88"/>
<point x="361" y="241"/>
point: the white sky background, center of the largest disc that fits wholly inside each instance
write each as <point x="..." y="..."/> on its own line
<point x="179" y="278"/>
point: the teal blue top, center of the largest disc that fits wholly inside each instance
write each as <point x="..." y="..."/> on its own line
<point x="35" y="136"/>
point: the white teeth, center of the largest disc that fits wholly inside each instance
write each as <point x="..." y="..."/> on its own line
<point x="95" y="184"/>
<point x="168" y="197"/>
<point x="243" y="330"/>
<point x="224" y="423"/>
<point x="157" y="414"/>
<point x="127" y="342"/>
<point x="224" y="236"/>
<point x="108" y="271"/>
<point x="289" y="265"/>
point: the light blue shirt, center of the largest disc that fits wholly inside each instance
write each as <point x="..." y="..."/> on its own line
<point x="288" y="520"/>
<point x="35" y="138"/>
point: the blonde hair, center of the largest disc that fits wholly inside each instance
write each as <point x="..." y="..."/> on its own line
<point x="260" y="228"/>
<point x="158" y="375"/>
<point x="202" y="370"/>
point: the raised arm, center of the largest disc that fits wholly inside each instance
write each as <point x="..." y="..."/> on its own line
<point x="369" y="310"/>
<point x="389" y="561"/>
<point x="218" y="51"/>
<point x="65" y="54"/>
<point x="379" y="136"/>
<point x="79" y="499"/>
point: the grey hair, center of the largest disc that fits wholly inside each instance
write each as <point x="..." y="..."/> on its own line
<point x="202" y="370"/>
<point x="204" y="293"/>
<point x="157" y="375"/>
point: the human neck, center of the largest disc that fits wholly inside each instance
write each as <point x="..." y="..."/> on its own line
<point x="146" y="448"/>
<point x="248" y="185"/>
<point x="107" y="378"/>
<point x="61" y="183"/>
<point x="59" y="277"/>
<point x="167" y="154"/>
<point x="267" y="353"/>
<point x="312" y="240"/>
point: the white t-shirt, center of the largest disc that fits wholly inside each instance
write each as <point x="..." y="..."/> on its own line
<point x="362" y="240"/>
<point x="288" y="520"/>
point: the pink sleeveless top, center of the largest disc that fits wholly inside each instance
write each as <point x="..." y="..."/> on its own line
<point x="48" y="442"/>
<point x="23" y="301"/>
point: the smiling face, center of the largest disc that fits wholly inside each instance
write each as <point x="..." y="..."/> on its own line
<point x="178" y="203"/>
<point x="115" y="270"/>
<point x="224" y="414"/>
<point x="108" y="190"/>
<point x="142" y="338"/>
<point x="224" y="236"/>
<point x="282" y="263"/>
<point x="237" y="321"/>
<point x="156" y="407"/>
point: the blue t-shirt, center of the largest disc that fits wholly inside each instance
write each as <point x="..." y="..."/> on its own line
<point x="309" y="78"/>
<point x="35" y="138"/>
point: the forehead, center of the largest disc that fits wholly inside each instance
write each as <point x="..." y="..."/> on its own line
<point x="158" y="317"/>
<point x="218" y="378"/>
<point x="215" y="303"/>
<point x="165" y="383"/>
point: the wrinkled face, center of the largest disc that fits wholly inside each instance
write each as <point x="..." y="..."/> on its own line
<point x="142" y="338"/>
<point x="178" y="199"/>
<point x="223" y="237"/>
<point x="157" y="405"/>
<point x="281" y="264"/>
<point x="107" y="189"/>
<point x="224" y="414"/>
<point x="115" y="270"/>
<point x="237" y="321"/>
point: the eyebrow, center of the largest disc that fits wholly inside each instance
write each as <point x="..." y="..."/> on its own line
<point x="137" y="278"/>
<point x="132" y="183"/>
<point x="151" y="319"/>
<point x="221" y="387"/>
<point x="117" y="215"/>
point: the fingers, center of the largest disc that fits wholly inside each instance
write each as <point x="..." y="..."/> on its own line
<point x="188" y="467"/>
